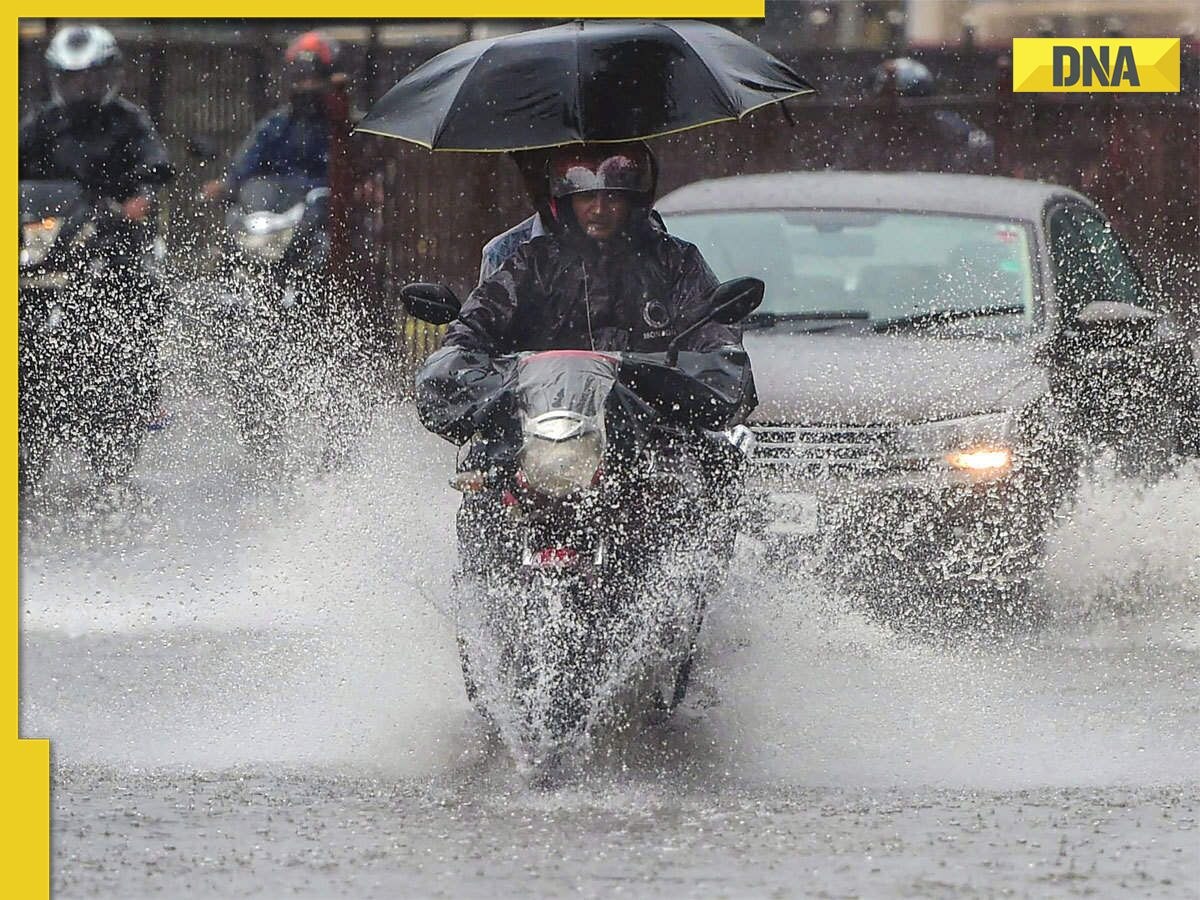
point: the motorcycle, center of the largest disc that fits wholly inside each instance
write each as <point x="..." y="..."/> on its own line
<point x="287" y="340"/>
<point x="275" y="251"/>
<point x="89" y="303"/>
<point x="599" y="513"/>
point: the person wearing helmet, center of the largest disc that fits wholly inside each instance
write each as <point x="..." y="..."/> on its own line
<point x="295" y="138"/>
<point x="606" y="275"/>
<point x="903" y="76"/>
<point x="90" y="134"/>
<point x="943" y="141"/>
<point x="532" y="166"/>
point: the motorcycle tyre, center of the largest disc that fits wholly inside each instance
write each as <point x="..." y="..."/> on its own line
<point x="113" y="460"/>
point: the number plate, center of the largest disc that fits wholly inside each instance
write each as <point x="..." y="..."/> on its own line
<point x="794" y="514"/>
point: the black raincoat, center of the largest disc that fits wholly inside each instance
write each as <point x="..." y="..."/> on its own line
<point x="566" y="291"/>
<point x="112" y="150"/>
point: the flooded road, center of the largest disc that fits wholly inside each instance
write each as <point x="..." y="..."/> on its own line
<point x="250" y="692"/>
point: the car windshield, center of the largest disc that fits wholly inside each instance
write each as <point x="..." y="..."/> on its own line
<point x="887" y="268"/>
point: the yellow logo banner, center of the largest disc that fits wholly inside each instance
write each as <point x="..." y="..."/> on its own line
<point x="1106" y="65"/>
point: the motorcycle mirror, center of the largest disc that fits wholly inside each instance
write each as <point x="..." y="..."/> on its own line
<point x="735" y="299"/>
<point x="730" y="302"/>
<point x="432" y="303"/>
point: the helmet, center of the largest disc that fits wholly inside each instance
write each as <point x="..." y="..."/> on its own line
<point x="312" y="55"/>
<point x="85" y="65"/>
<point x="602" y="167"/>
<point x="905" y="76"/>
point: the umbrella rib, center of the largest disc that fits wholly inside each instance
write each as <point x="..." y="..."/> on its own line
<point x="445" y="121"/>
<point x="730" y="106"/>
<point x="579" y="120"/>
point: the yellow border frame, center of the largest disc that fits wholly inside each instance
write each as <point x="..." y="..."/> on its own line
<point x="26" y="762"/>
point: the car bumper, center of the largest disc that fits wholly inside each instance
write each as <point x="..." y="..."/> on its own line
<point x="929" y="523"/>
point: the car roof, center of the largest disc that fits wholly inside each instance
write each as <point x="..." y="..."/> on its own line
<point x="1011" y="198"/>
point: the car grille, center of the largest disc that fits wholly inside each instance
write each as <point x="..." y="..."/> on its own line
<point x="824" y="451"/>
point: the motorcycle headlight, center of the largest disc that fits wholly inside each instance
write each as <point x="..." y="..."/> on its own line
<point x="561" y="454"/>
<point x="977" y="446"/>
<point x="37" y="238"/>
<point x="266" y="234"/>
<point x="268" y="245"/>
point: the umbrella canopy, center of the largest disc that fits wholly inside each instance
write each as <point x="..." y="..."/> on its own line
<point x="581" y="81"/>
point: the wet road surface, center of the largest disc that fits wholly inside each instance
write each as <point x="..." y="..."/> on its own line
<point x="251" y="692"/>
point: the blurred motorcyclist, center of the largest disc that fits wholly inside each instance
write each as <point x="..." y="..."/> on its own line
<point x="940" y="139"/>
<point x="605" y="277"/>
<point x="293" y="139"/>
<point x="90" y="134"/>
<point x="301" y="140"/>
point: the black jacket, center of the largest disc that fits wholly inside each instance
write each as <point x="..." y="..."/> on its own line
<point x="113" y="150"/>
<point x="564" y="291"/>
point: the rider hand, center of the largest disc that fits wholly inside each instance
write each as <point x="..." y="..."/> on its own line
<point x="213" y="189"/>
<point x="136" y="208"/>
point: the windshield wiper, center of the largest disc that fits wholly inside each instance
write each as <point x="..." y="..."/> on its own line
<point x="938" y="316"/>
<point x="836" y="316"/>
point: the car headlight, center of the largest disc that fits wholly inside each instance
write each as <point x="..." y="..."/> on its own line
<point x="37" y="238"/>
<point x="981" y="459"/>
<point x="978" y="446"/>
<point x="562" y="453"/>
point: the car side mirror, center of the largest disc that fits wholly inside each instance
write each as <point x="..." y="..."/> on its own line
<point x="1099" y="324"/>
<point x="432" y="303"/>
<point x="1111" y="313"/>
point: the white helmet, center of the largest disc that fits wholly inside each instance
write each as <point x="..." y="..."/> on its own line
<point x="85" y="65"/>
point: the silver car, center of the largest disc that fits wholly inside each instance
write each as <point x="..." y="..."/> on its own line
<point x="934" y="357"/>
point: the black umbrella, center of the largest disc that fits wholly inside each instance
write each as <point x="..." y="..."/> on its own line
<point x="583" y="81"/>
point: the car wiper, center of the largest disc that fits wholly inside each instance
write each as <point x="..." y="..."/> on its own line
<point x="770" y="320"/>
<point x="938" y="316"/>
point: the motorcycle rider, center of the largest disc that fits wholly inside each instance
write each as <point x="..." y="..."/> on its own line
<point x="294" y="140"/>
<point x="298" y="140"/>
<point x="606" y="276"/>
<point x="945" y="142"/>
<point x="89" y="134"/>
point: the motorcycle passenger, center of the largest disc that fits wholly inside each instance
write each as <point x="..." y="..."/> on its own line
<point x="532" y="166"/>
<point x="606" y="277"/>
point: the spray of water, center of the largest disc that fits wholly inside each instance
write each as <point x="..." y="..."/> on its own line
<point x="241" y="620"/>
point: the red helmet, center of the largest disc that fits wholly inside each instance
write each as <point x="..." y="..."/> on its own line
<point x="576" y="169"/>
<point x="313" y="53"/>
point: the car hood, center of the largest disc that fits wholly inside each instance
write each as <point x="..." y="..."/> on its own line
<point x="874" y="379"/>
